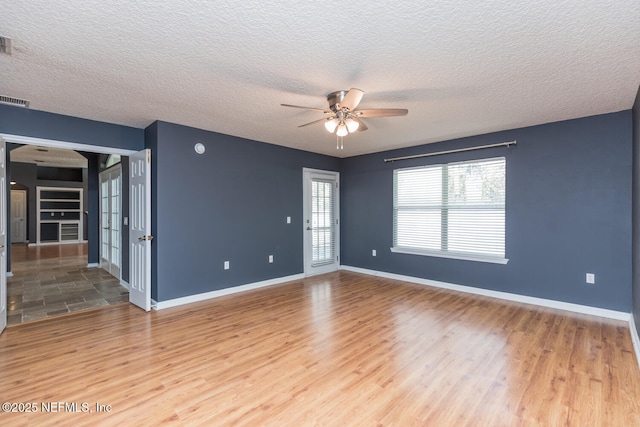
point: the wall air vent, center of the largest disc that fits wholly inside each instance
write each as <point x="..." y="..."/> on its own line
<point x="14" y="101"/>
<point x="5" y="45"/>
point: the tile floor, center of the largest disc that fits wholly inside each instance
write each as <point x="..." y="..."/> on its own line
<point x="54" y="280"/>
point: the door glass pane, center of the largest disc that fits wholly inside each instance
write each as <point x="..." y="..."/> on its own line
<point x="104" y="219"/>
<point x="115" y="221"/>
<point x="322" y="222"/>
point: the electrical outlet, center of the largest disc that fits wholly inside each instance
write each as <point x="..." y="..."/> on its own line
<point x="288" y="220"/>
<point x="270" y="258"/>
<point x="226" y="265"/>
<point x="373" y="252"/>
<point x="591" y="278"/>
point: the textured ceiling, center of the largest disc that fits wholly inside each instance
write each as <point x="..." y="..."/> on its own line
<point x="48" y="156"/>
<point x="461" y="67"/>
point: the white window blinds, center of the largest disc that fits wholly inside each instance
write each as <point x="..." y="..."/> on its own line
<point x="455" y="210"/>
<point x="322" y="221"/>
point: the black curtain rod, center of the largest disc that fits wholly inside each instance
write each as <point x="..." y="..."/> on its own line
<point x="501" y="144"/>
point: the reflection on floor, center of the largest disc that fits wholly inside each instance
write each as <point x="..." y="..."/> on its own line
<point x="54" y="280"/>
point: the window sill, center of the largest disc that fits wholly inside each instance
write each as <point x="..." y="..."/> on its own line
<point x="465" y="257"/>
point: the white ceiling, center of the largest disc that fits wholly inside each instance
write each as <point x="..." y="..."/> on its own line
<point x="48" y="156"/>
<point x="461" y="67"/>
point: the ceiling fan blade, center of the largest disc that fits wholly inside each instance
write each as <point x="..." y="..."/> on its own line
<point x="362" y="126"/>
<point x="308" y="108"/>
<point x="382" y="112"/>
<point x="352" y="99"/>
<point x="324" y="119"/>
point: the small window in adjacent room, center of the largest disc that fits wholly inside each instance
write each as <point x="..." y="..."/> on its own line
<point x="454" y="210"/>
<point x="112" y="159"/>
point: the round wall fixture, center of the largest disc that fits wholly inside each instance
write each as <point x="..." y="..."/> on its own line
<point x="199" y="147"/>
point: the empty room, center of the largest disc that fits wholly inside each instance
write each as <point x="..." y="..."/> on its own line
<point x="331" y="214"/>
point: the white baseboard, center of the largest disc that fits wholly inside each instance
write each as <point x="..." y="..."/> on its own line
<point x="75" y="242"/>
<point x="9" y="274"/>
<point x="635" y="338"/>
<point x="124" y="283"/>
<point x="159" y="305"/>
<point x="93" y="265"/>
<point x="560" y="305"/>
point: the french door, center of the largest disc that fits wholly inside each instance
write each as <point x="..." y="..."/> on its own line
<point x="321" y="221"/>
<point x="140" y="229"/>
<point x="111" y="220"/>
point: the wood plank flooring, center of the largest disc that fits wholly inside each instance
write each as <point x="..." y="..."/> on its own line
<point x="342" y="349"/>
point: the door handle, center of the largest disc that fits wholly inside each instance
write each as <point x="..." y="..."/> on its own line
<point x="143" y="238"/>
<point x="309" y="228"/>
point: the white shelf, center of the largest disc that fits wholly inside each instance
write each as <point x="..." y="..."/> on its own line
<point x="68" y="230"/>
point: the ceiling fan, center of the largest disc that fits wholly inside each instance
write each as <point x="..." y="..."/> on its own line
<point x="343" y="117"/>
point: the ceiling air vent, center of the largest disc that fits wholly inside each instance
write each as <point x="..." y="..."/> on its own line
<point x="5" y="45"/>
<point x="14" y="101"/>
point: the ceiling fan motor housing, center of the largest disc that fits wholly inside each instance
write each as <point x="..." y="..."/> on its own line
<point x="335" y="98"/>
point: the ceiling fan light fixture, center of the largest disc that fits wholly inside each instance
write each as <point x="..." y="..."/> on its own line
<point x="344" y="117"/>
<point x="352" y="125"/>
<point x="331" y="125"/>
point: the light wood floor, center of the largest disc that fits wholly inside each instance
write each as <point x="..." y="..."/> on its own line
<point x="342" y="349"/>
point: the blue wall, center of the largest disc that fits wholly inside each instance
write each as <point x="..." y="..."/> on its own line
<point x="568" y="206"/>
<point x="568" y="212"/>
<point x="636" y="212"/>
<point x="40" y="124"/>
<point x="230" y="203"/>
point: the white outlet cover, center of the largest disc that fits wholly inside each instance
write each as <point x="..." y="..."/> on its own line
<point x="373" y="252"/>
<point x="288" y="220"/>
<point x="270" y="258"/>
<point x="591" y="278"/>
<point x="226" y="265"/>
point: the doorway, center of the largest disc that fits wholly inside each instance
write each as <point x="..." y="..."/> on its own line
<point x="139" y="283"/>
<point x="321" y="213"/>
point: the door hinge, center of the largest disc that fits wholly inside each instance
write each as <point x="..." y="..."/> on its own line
<point x="337" y="221"/>
<point x="338" y="258"/>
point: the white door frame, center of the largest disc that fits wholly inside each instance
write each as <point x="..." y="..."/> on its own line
<point x="27" y="140"/>
<point x="112" y="268"/>
<point x="3" y="236"/>
<point x="307" y="175"/>
<point x="23" y="223"/>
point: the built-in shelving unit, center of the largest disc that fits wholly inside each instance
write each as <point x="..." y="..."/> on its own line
<point x="59" y="215"/>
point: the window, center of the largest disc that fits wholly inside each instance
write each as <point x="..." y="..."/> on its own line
<point x="112" y="159"/>
<point x="455" y="210"/>
<point x="322" y="222"/>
